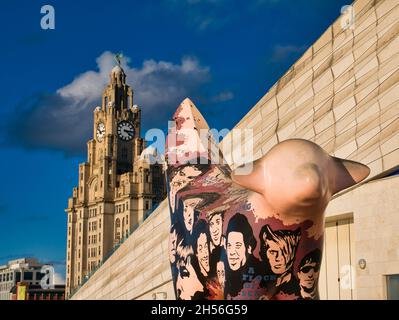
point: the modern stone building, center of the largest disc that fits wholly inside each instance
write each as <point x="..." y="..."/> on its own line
<point x="343" y="94"/>
<point x="27" y="270"/>
<point x="117" y="186"/>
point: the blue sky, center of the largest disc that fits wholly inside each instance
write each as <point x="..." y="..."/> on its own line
<point x="224" y="54"/>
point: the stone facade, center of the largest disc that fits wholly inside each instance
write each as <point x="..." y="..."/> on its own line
<point x="374" y="207"/>
<point x="343" y="94"/>
<point x="117" y="185"/>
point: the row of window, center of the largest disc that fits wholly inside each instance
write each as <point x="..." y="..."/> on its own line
<point x="118" y="235"/>
<point x="93" y="225"/>
<point x="6" y="277"/>
<point x="5" y="287"/>
<point x="93" y="238"/>
<point x="121" y="207"/>
<point x="92" y="265"/>
<point x="27" y="276"/>
<point x="92" y="212"/>
<point x="124" y="222"/>
<point x="92" y="252"/>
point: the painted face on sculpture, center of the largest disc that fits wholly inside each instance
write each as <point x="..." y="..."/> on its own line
<point x="221" y="274"/>
<point x="276" y="257"/>
<point x="308" y="275"/>
<point x="172" y="246"/>
<point x="188" y="212"/>
<point x="184" y="177"/>
<point x="236" y="251"/>
<point x="203" y="252"/>
<point x="216" y="229"/>
<point x="187" y="283"/>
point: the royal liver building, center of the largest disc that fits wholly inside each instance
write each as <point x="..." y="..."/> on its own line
<point x="117" y="185"/>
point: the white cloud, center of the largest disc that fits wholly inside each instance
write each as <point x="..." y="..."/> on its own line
<point x="65" y="117"/>
<point x="153" y="83"/>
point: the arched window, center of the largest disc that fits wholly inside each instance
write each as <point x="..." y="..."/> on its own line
<point x="118" y="223"/>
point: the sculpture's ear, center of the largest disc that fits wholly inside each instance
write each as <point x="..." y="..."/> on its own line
<point x="348" y="173"/>
<point x="254" y="180"/>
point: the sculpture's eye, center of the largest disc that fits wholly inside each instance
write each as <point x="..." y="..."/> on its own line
<point x="184" y="272"/>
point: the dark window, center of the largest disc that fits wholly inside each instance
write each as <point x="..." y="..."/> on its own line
<point x="39" y="276"/>
<point x="18" y="276"/>
<point x="28" y="275"/>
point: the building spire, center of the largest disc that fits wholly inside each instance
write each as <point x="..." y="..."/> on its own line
<point x="117" y="75"/>
<point x="118" y="58"/>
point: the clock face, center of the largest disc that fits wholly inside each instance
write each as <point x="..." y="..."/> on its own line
<point x="125" y="130"/>
<point x="100" y="131"/>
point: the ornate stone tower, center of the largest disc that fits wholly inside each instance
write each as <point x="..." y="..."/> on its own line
<point x="117" y="185"/>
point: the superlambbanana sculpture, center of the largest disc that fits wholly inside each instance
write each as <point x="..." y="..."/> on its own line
<point x="252" y="236"/>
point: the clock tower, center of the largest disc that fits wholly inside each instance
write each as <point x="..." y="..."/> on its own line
<point x="117" y="185"/>
<point x="117" y="126"/>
